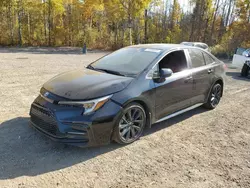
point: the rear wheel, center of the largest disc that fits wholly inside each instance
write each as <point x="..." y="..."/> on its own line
<point x="214" y="97"/>
<point x="245" y="70"/>
<point x="130" y="125"/>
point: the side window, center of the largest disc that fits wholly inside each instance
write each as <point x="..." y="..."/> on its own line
<point x="176" y="61"/>
<point x="208" y="58"/>
<point x="196" y="58"/>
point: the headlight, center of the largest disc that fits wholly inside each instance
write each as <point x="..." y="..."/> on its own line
<point x="89" y="106"/>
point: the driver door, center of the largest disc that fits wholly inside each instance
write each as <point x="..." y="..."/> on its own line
<point x="174" y="93"/>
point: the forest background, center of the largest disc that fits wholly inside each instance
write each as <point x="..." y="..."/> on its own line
<point x="111" y="24"/>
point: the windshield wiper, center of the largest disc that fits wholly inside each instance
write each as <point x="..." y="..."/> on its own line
<point x="110" y="72"/>
<point x="90" y="67"/>
<point x="105" y="70"/>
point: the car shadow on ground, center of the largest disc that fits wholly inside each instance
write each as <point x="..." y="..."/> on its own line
<point x="237" y="76"/>
<point x="25" y="152"/>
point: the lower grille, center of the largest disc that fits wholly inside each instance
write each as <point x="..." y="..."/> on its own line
<point x="43" y="119"/>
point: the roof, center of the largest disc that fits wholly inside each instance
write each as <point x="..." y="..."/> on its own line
<point x="160" y="46"/>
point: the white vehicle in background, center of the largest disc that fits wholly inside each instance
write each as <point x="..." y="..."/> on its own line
<point x="204" y="46"/>
<point x="241" y="59"/>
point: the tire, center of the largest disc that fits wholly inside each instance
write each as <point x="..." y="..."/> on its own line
<point x="245" y="70"/>
<point x="130" y="125"/>
<point x="214" y="97"/>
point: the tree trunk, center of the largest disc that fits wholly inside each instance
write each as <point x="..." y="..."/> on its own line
<point x="200" y="21"/>
<point x="146" y="26"/>
<point x="222" y="28"/>
<point x="123" y="33"/>
<point x="45" y="22"/>
<point x="164" y="23"/>
<point x="205" y="37"/>
<point x="213" y="23"/>
<point x="49" y="22"/>
<point x="69" y="25"/>
<point x="229" y="12"/>
<point x="29" y="31"/>
<point x="130" y="30"/>
<point x="116" y="34"/>
<point x="10" y="23"/>
<point x="19" y="22"/>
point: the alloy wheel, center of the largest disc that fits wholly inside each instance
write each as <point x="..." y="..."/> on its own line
<point x="131" y="124"/>
<point x="216" y="95"/>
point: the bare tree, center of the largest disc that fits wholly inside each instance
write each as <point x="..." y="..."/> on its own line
<point x="19" y="15"/>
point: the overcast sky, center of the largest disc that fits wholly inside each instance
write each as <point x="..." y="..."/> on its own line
<point x="185" y="5"/>
<point x="183" y="2"/>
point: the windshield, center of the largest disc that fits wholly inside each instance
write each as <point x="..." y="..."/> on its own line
<point x="127" y="61"/>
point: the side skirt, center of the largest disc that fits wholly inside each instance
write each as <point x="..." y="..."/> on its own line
<point x="179" y="112"/>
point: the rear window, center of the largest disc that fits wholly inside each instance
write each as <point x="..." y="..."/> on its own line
<point x="187" y="43"/>
<point x="208" y="58"/>
<point x="203" y="46"/>
<point x="196" y="58"/>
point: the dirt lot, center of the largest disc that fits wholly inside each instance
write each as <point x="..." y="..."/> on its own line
<point x="201" y="149"/>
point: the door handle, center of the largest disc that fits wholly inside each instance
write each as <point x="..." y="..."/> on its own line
<point x="210" y="71"/>
<point x="187" y="79"/>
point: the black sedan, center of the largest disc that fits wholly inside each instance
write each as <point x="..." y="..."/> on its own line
<point x="119" y="95"/>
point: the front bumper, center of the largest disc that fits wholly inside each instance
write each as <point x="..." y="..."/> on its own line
<point x="67" y="124"/>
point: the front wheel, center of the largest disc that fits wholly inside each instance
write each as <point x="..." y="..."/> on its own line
<point x="214" y="97"/>
<point x="130" y="125"/>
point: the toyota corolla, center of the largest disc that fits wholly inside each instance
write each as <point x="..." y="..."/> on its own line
<point x="116" y="97"/>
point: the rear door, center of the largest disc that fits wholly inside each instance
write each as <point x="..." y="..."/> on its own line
<point x="202" y="73"/>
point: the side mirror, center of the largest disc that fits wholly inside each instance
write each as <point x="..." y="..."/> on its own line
<point x="164" y="73"/>
<point x="159" y="76"/>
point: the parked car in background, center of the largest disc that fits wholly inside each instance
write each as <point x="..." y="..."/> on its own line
<point x="241" y="60"/>
<point x="117" y="96"/>
<point x="197" y="44"/>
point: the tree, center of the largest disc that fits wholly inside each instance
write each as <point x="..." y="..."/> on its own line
<point x="113" y="24"/>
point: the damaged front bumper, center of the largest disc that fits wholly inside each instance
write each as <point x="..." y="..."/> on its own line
<point x="67" y="124"/>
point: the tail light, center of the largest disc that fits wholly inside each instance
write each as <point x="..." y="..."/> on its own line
<point x="224" y="66"/>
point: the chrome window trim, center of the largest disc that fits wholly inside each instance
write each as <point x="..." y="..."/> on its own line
<point x="77" y="133"/>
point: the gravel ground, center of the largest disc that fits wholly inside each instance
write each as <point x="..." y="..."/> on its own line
<point x="199" y="149"/>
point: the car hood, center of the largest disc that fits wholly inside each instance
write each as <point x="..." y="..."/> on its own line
<point x="86" y="84"/>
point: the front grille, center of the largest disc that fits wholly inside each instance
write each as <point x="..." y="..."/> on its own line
<point x="43" y="119"/>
